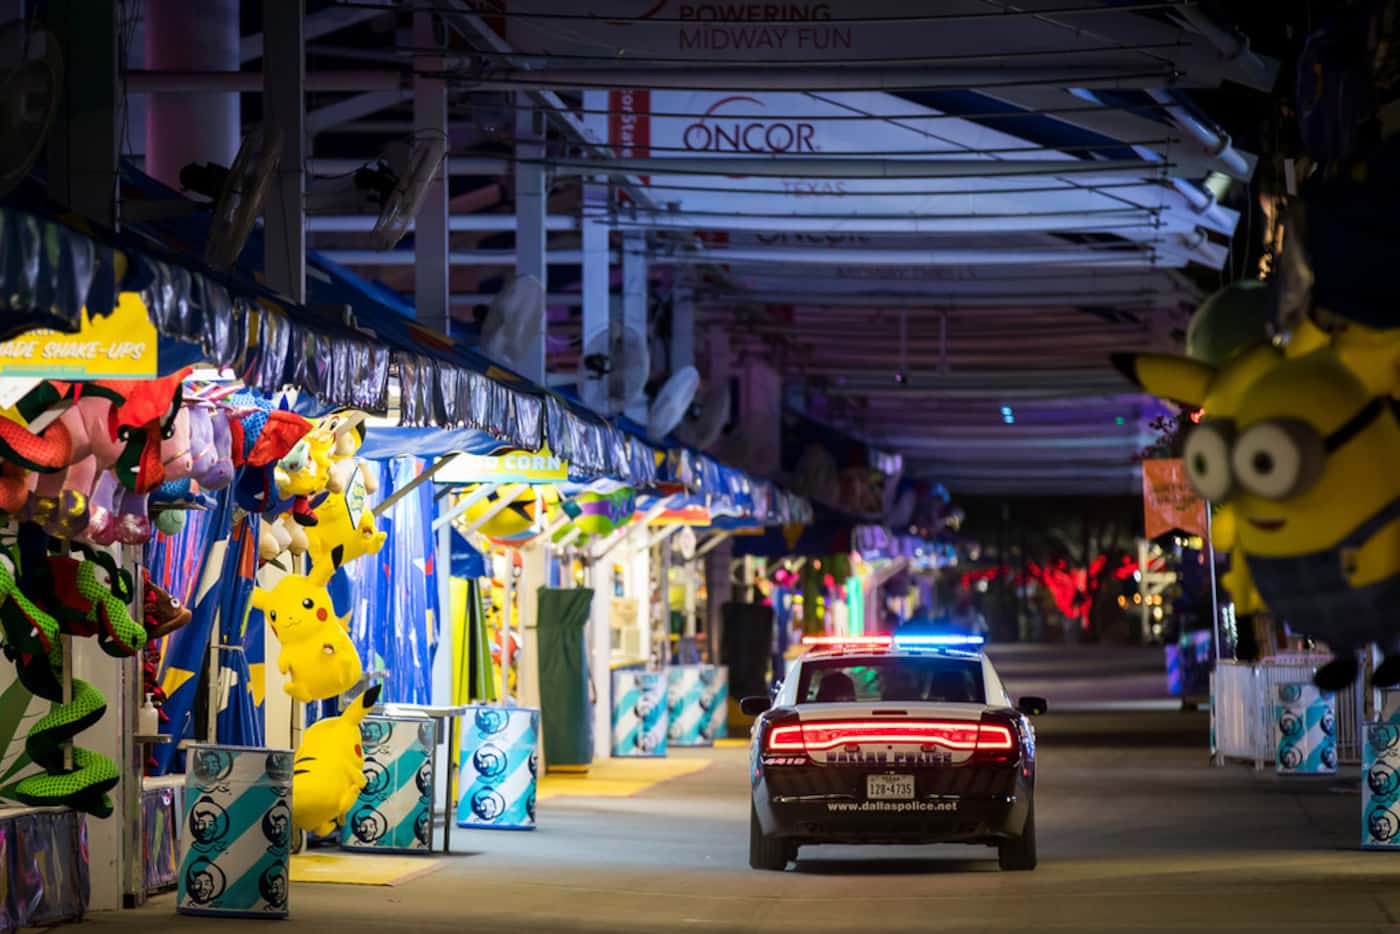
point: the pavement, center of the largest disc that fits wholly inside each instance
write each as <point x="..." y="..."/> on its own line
<point x="1138" y="832"/>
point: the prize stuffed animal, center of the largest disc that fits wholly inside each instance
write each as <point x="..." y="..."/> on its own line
<point x="329" y="771"/>
<point x="1300" y="450"/>
<point x="345" y="529"/>
<point x="317" y="656"/>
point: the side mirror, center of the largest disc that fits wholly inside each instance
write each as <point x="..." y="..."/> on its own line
<point x="753" y="706"/>
<point x="1032" y="706"/>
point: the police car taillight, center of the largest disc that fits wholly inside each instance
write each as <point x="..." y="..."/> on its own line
<point x="998" y="741"/>
<point x="957" y="735"/>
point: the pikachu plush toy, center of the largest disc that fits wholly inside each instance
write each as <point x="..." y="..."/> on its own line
<point x="317" y="656"/>
<point x="329" y="771"/>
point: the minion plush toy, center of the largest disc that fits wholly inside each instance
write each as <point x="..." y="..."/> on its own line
<point x="1302" y="454"/>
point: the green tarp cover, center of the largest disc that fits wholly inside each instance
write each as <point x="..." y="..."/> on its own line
<point x="566" y="712"/>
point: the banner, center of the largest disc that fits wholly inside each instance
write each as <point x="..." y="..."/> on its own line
<point x="512" y="466"/>
<point x="1168" y="500"/>
<point x="121" y="345"/>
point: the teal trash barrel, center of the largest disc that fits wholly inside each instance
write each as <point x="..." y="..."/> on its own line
<point x="394" y="813"/>
<point x="639" y="714"/>
<point x="236" y="832"/>
<point x="499" y="768"/>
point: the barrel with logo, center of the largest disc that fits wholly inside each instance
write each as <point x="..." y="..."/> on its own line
<point x="639" y="715"/>
<point x="499" y="768"/>
<point x="716" y="681"/>
<point x="236" y="832"/>
<point x="1380" y="786"/>
<point x="687" y="706"/>
<point x="394" y="812"/>
<point x="1305" y="729"/>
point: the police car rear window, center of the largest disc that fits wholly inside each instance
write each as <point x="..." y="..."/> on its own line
<point x="894" y="678"/>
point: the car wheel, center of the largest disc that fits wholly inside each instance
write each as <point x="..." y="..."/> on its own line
<point x="765" y="852"/>
<point x="1018" y="853"/>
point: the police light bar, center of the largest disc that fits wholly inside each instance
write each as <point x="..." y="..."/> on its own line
<point x="848" y="642"/>
<point x="940" y="641"/>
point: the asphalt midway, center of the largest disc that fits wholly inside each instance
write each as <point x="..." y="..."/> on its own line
<point x="1138" y="832"/>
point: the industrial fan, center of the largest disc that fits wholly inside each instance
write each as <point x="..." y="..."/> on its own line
<point x="32" y="83"/>
<point x="241" y="193"/>
<point x="415" y="167"/>
<point x="706" y="417"/>
<point x="514" y="321"/>
<point x="672" y="401"/>
<point x="612" y="370"/>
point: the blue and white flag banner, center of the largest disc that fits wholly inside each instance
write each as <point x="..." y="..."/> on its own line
<point x="640" y="720"/>
<point x="394" y="812"/>
<point x="499" y="768"/>
<point x="236" y="832"/>
<point x="1305" y="729"/>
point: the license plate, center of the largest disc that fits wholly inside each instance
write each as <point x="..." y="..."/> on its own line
<point x="889" y="787"/>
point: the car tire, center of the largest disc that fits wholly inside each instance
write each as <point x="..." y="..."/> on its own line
<point x="1018" y="853"/>
<point x="765" y="852"/>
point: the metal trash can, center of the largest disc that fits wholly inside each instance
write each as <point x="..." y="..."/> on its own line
<point x="717" y="702"/>
<point x="394" y="813"/>
<point x="639" y="715"/>
<point x="1305" y="729"/>
<point x="499" y="768"/>
<point x="687" y="706"/>
<point x="236" y="832"/>
<point x="1380" y="786"/>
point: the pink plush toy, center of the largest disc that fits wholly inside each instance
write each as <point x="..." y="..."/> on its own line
<point x="219" y="474"/>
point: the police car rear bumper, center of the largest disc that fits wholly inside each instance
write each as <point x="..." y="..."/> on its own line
<point x="843" y="817"/>
<point x="850" y="821"/>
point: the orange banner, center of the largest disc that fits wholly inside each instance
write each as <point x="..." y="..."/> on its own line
<point x="1168" y="501"/>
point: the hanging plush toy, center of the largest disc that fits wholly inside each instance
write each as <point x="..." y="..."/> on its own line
<point x="317" y="656"/>
<point x="329" y="770"/>
<point x="1301" y="452"/>
<point x="345" y="529"/>
<point x="304" y="472"/>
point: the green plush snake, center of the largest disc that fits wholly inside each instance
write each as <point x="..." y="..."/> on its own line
<point x="32" y="642"/>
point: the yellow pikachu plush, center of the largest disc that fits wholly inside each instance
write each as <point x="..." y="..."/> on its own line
<point x="329" y="771"/>
<point x="345" y="529"/>
<point x="317" y="656"/>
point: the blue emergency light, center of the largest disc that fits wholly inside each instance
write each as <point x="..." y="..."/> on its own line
<point x="913" y="641"/>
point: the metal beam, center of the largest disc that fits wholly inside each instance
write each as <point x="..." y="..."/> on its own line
<point x="457" y="223"/>
<point x="455" y="257"/>
<point x="250" y="82"/>
<point x="465" y="503"/>
<point x="353" y="108"/>
<point x="317" y="24"/>
<point x="388" y="502"/>
<point x="283" y="81"/>
<point x="1133" y="258"/>
<point x="531" y="206"/>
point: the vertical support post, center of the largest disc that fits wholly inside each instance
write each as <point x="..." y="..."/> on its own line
<point x="682" y="320"/>
<point x="600" y="656"/>
<point x="534" y="567"/>
<point x="444" y="662"/>
<point x="284" y="106"/>
<point x="431" y="274"/>
<point x="634" y="302"/>
<point x="131" y="788"/>
<point x="83" y="144"/>
<point x="531" y="202"/>
<point x="597" y="304"/>
<point x="507" y="612"/>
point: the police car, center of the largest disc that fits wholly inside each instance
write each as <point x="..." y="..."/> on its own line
<point x="882" y="740"/>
